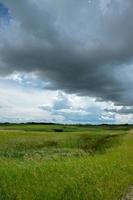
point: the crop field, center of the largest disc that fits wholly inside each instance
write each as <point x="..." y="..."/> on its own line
<point x="65" y="162"/>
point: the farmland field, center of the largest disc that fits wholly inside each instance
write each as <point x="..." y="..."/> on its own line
<point x="65" y="162"/>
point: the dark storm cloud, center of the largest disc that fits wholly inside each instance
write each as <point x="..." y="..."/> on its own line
<point x="84" y="48"/>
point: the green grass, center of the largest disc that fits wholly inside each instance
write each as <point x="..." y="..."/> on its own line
<point x="40" y="162"/>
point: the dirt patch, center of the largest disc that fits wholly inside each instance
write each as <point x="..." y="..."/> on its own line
<point x="129" y="195"/>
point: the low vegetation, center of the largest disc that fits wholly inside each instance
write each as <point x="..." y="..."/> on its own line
<point x="55" y="162"/>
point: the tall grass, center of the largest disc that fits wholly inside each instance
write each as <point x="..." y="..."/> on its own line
<point x="102" y="170"/>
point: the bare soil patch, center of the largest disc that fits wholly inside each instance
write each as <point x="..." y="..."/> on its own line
<point x="129" y="195"/>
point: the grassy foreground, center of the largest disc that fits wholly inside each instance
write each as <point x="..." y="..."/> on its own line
<point x="52" y="162"/>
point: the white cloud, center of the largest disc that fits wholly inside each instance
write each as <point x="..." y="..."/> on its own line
<point x="124" y="118"/>
<point x="22" y="102"/>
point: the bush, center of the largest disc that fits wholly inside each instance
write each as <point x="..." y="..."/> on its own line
<point x="58" y="130"/>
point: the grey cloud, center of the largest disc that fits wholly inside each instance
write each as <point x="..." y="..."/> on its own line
<point x="78" y="46"/>
<point x="5" y="107"/>
<point x="123" y="110"/>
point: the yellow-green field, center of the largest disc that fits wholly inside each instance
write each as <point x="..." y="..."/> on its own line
<point x="63" y="162"/>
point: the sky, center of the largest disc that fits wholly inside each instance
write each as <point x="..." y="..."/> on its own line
<point x="66" y="61"/>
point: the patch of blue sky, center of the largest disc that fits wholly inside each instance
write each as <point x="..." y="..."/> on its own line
<point x="4" y="14"/>
<point x="24" y="81"/>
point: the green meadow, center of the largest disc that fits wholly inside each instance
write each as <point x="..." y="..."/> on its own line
<point x="65" y="162"/>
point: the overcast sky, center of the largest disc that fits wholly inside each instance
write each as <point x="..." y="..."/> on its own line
<point x="66" y="61"/>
